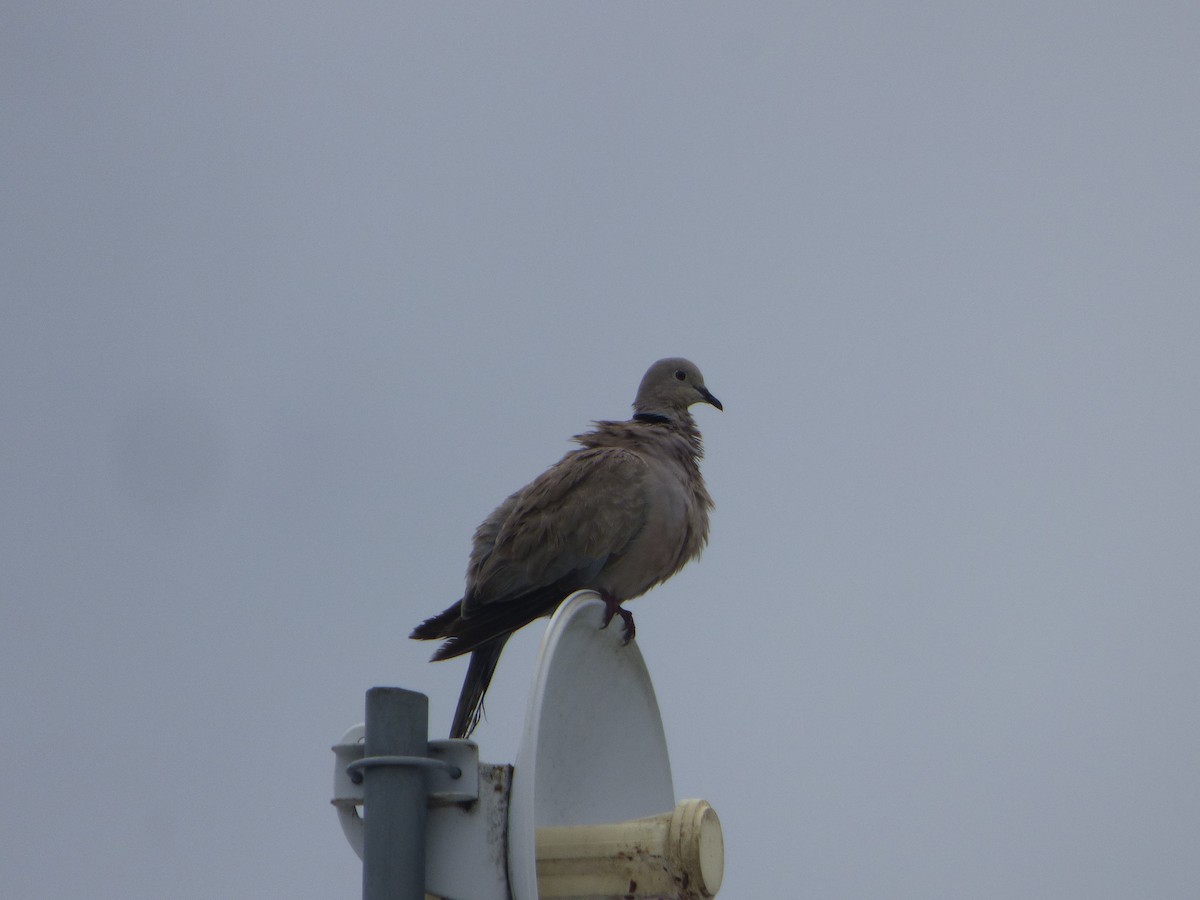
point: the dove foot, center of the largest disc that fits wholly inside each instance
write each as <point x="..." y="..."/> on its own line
<point x="612" y="607"/>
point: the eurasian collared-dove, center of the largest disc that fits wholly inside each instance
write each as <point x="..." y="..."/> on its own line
<point x="619" y="515"/>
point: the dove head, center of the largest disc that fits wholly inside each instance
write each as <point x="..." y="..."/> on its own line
<point x="670" y="386"/>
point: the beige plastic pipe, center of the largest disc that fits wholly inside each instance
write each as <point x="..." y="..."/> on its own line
<point x="678" y="855"/>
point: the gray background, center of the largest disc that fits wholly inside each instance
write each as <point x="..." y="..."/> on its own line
<point x="294" y="294"/>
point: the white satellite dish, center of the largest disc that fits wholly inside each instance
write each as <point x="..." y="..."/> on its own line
<point x="594" y="750"/>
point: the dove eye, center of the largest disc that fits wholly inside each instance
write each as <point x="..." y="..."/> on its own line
<point x="680" y="375"/>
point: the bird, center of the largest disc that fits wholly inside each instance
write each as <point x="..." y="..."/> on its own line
<point x="620" y="514"/>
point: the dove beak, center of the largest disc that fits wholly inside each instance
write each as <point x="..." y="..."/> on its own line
<point x="709" y="398"/>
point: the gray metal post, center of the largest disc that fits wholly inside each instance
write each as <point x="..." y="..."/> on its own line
<point x="394" y="796"/>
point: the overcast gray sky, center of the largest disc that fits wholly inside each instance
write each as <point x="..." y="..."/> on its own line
<point x="294" y="294"/>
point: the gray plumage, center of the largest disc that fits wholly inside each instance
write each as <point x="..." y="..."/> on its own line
<point x="619" y="515"/>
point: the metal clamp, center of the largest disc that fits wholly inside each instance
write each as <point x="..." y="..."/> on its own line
<point x="452" y="768"/>
<point x="354" y="769"/>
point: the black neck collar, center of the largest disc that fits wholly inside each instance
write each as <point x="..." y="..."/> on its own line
<point x="654" y="418"/>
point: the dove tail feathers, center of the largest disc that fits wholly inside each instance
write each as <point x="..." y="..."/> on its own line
<point x="475" y="685"/>
<point x="438" y="626"/>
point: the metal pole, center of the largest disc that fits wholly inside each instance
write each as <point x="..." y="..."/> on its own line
<point x="394" y="796"/>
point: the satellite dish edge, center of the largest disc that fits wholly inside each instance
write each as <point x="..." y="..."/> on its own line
<point x="593" y="749"/>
